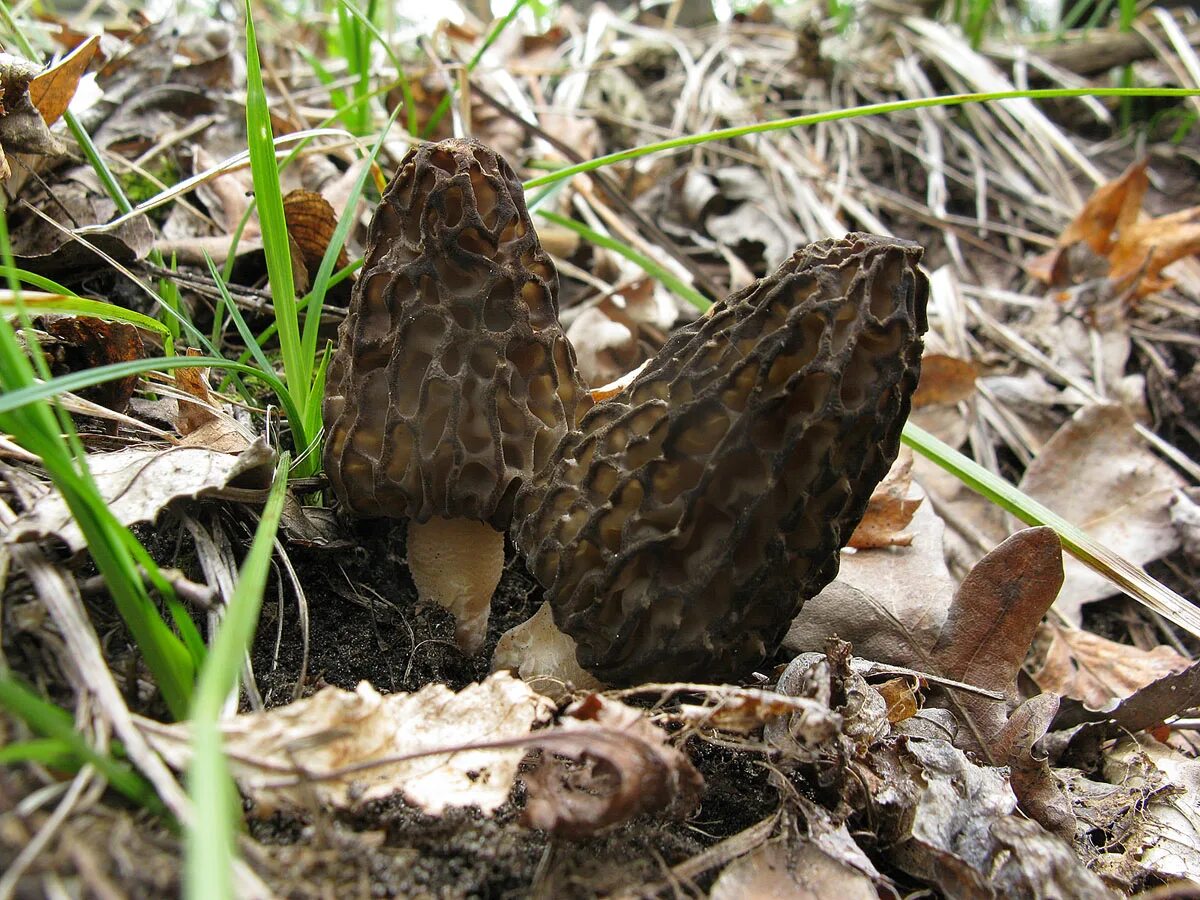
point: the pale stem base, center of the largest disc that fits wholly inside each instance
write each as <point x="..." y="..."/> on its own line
<point x="456" y="563"/>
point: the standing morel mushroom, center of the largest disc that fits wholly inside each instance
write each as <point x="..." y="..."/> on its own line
<point x="692" y="514"/>
<point x="453" y="381"/>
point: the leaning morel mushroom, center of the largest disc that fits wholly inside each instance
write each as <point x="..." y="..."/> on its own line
<point x="691" y="515"/>
<point x="453" y="381"/>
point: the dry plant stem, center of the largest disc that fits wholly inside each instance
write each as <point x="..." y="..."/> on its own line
<point x="456" y="563"/>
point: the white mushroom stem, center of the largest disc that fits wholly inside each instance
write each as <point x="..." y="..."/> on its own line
<point x="543" y="656"/>
<point x="456" y="563"/>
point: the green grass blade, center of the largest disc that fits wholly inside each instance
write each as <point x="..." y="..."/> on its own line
<point x="16" y="398"/>
<point x="69" y="304"/>
<point x="56" y="724"/>
<point x="296" y="370"/>
<point x="647" y="265"/>
<point x="239" y="320"/>
<point x="1120" y="571"/>
<point x="498" y="29"/>
<point x="210" y="838"/>
<point x="853" y="112"/>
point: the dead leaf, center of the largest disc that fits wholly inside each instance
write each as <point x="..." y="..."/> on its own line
<point x="1038" y="791"/>
<point x="76" y="197"/>
<point x="1165" y="837"/>
<point x="1143" y="249"/>
<point x="890" y="509"/>
<point x="1111" y="226"/>
<point x="791" y="871"/>
<point x="22" y="129"/>
<point x="52" y="90"/>
<point x="956" y="828"/>
<point x="311" y="223"/>
<point x="622" y="767"/>
<point x="193" y="382"/>
<point x="991" y="623"/>
<point x="1098" y="473"/>
<point x="84" y="342"/>
<point x="138" y="483"/>
<point x="1146" y="708"/>
<point x="900" y="698"/>
<point x="1095" y="670"/>
<point x="347" y="748"/>
<point x="889" y="603"/>
<point x="944" y="380"/>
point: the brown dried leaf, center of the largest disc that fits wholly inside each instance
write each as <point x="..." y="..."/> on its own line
<point x="1112" y="207"/>
<point x="1037" y="789"/>
<point x="86" y="343"/>
<point x="890" y="509"/>
<point x="22" y="129"/>
<point x="944" y="380"/>
<point x="623" y="766"/>
<point x="1098" y="473"/>
<point x="52" y="90"/>
<point x="797" y="870"/>
<point x="900" y="698"/>
<point x="991" y="624"/>
<point x="193" y="382"/>
<point x="1143" y="249"/>
<point x="311" y="223"/>
<point x="1095" y="670"/>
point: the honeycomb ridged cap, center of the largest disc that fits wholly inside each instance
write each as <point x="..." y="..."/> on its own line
<point x="690" y="515"/>
<point x="452" y="382"/>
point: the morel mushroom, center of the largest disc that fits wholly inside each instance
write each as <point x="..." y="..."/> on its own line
<point x="691" y="515"/>
<point x="453" y="381"/>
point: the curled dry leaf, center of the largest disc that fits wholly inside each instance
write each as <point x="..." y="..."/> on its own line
<point x="1111" y="226"/>
<point x="83" y="342"/>
<point x="944" y="379"/>
<point x="1098" y="473"/>
<point x="52" y="90"/>
<point x="138" y="483"/>
<point x="346" y="748"/>
<point x="1095" y="670"/>
<point x="900" y="697"/>
<point x="193" y="382"/>
<point x="795" y="870"/>
<point x="890" y="508"/>
<point x="22" y="129"/>
<point x="620" y="766"/>
<point x="311" y="222"/>
<point x="1164" y="838"/>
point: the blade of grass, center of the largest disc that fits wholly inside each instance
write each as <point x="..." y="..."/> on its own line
<point x="498" y="29"/>
<point x="401" y="78"/>
<point x="1120" y="571"/>
<point x="49" y="433"/>
<point x="21" y="396"/>
<point x="853" y="112"/>
<point x="297" y="371"/>
<point x="56" y="724"/>
<point x="70" y="304"/>
<point x="648" y="265"/>
<point x="210" y="837"/>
